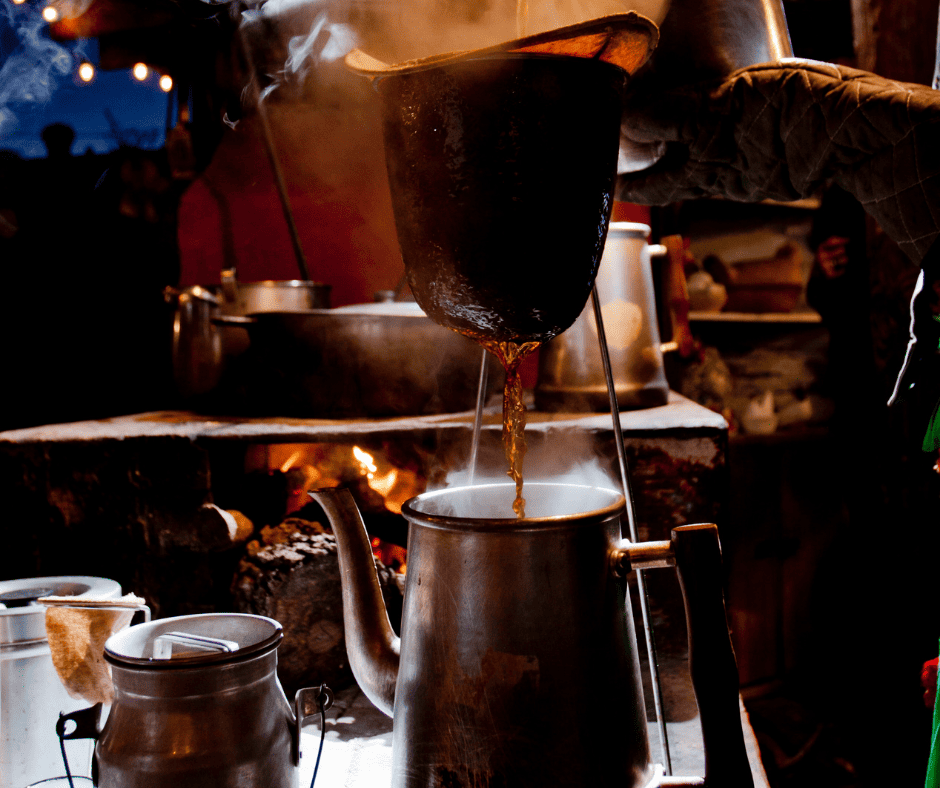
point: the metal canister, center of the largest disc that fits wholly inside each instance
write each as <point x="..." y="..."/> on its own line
<point x="31" y="694"/>
<point x="197" y="702"/>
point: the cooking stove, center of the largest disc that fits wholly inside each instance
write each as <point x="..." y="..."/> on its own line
<point x="122" y="497"/>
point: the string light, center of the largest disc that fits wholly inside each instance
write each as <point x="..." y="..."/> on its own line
<point x="141" y="72"/>
<point x="18" y="2"/>
<point x="166" y="83"/>
<point x="86" y="72"/>
<point x="50" y="14"/>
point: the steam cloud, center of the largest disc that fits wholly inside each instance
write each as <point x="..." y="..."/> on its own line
<point x="563" y="457"/>
<point x="31" y="73"/>
<point x="411" y="29"/>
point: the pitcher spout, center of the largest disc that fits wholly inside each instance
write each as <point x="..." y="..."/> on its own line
<point x="371" y="643"/>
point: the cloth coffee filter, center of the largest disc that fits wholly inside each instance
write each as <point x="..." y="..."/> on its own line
<point x="77" y="630"/>
<point x="625" y="40"/>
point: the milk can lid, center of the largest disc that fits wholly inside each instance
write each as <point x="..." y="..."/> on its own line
<point x="181" y="641"/>
<point x="22" y="620"/>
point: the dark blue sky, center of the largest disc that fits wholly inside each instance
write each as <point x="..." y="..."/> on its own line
<point x="39" y="85"/>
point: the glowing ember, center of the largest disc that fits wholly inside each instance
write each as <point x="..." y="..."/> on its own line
<point x="386" y="483"/>
<point x="391" y="555"/>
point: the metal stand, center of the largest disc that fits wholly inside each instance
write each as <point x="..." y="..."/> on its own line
<point x="631" y="526"/>
<point x="478" y="417"/>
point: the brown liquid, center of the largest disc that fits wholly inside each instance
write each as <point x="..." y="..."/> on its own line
<point x="511" y="355"/>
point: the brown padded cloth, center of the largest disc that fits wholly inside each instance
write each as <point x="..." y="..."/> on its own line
<point x="784" y="130"/>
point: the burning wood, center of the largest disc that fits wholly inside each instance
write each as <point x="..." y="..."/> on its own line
<point x="291" y="573"/>
<point x="378" y="482"/>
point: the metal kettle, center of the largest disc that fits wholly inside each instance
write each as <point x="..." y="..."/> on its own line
<point x="197" y="703"/>
<point x="516" y="663"/>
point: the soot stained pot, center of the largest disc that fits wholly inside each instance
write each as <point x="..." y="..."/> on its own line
<point x="502" y="170"/>
<point x="370" y="360"/>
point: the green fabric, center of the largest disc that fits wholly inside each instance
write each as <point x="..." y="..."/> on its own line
<point x="932" y="436"/>
<point x="933" y="763"/>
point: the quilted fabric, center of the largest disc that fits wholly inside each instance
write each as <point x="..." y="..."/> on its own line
<point x="784" y="130"/>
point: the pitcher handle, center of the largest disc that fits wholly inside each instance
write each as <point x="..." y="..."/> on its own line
<point x="712" y="664"/>
<point x="696" y="553"/>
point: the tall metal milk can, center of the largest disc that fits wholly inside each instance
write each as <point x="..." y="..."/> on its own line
<point x="31" y="694"/>
<point x="197" y="704"/>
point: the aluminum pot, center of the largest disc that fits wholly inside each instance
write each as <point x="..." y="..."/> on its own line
<point x="272" y="295"/>
<point x="197" y="704"/>
<point x="204" y="351"/>
<point x="370" y="360"/>
<point x="31" y="694"/>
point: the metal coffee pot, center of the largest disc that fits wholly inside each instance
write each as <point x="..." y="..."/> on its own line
<point x="197" y="704"/>
<point x="516" y="664"/>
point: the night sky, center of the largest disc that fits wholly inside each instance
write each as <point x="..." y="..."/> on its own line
<point x="39" y="85"/>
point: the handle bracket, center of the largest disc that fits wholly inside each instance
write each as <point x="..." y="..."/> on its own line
<point x="307" y="702"/>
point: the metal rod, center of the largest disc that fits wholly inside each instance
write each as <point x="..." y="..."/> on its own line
<point x="631" y="526"/>
<point x="478" y="418"/>
<point x="272" y="157"/>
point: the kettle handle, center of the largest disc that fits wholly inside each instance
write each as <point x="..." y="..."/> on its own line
<point x="86" y="727"/>
<point x="696" y="553"/>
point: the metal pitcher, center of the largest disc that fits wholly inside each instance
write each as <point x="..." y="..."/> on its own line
<point x="571" y="375"/>
<point x="516" y="663"/>
<point x="197" y="704"/>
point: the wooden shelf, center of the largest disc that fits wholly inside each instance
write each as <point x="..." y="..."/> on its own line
<point x="801" y="317"/>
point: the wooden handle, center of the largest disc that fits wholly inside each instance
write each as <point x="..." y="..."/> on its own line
<point x="677" y="293"/>
<point x="711" y="656"/>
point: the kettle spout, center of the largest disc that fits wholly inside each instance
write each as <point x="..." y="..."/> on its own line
<point x="371" y="643"/>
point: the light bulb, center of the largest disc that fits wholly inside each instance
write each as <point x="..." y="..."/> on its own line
<point x="141" y="72"/>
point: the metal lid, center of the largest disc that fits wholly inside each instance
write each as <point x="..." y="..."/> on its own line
<point x="487" y="507"/>
<point x="630" y="229"/>
<point x="185" y="641"/>
<point x="22" y="620"/>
